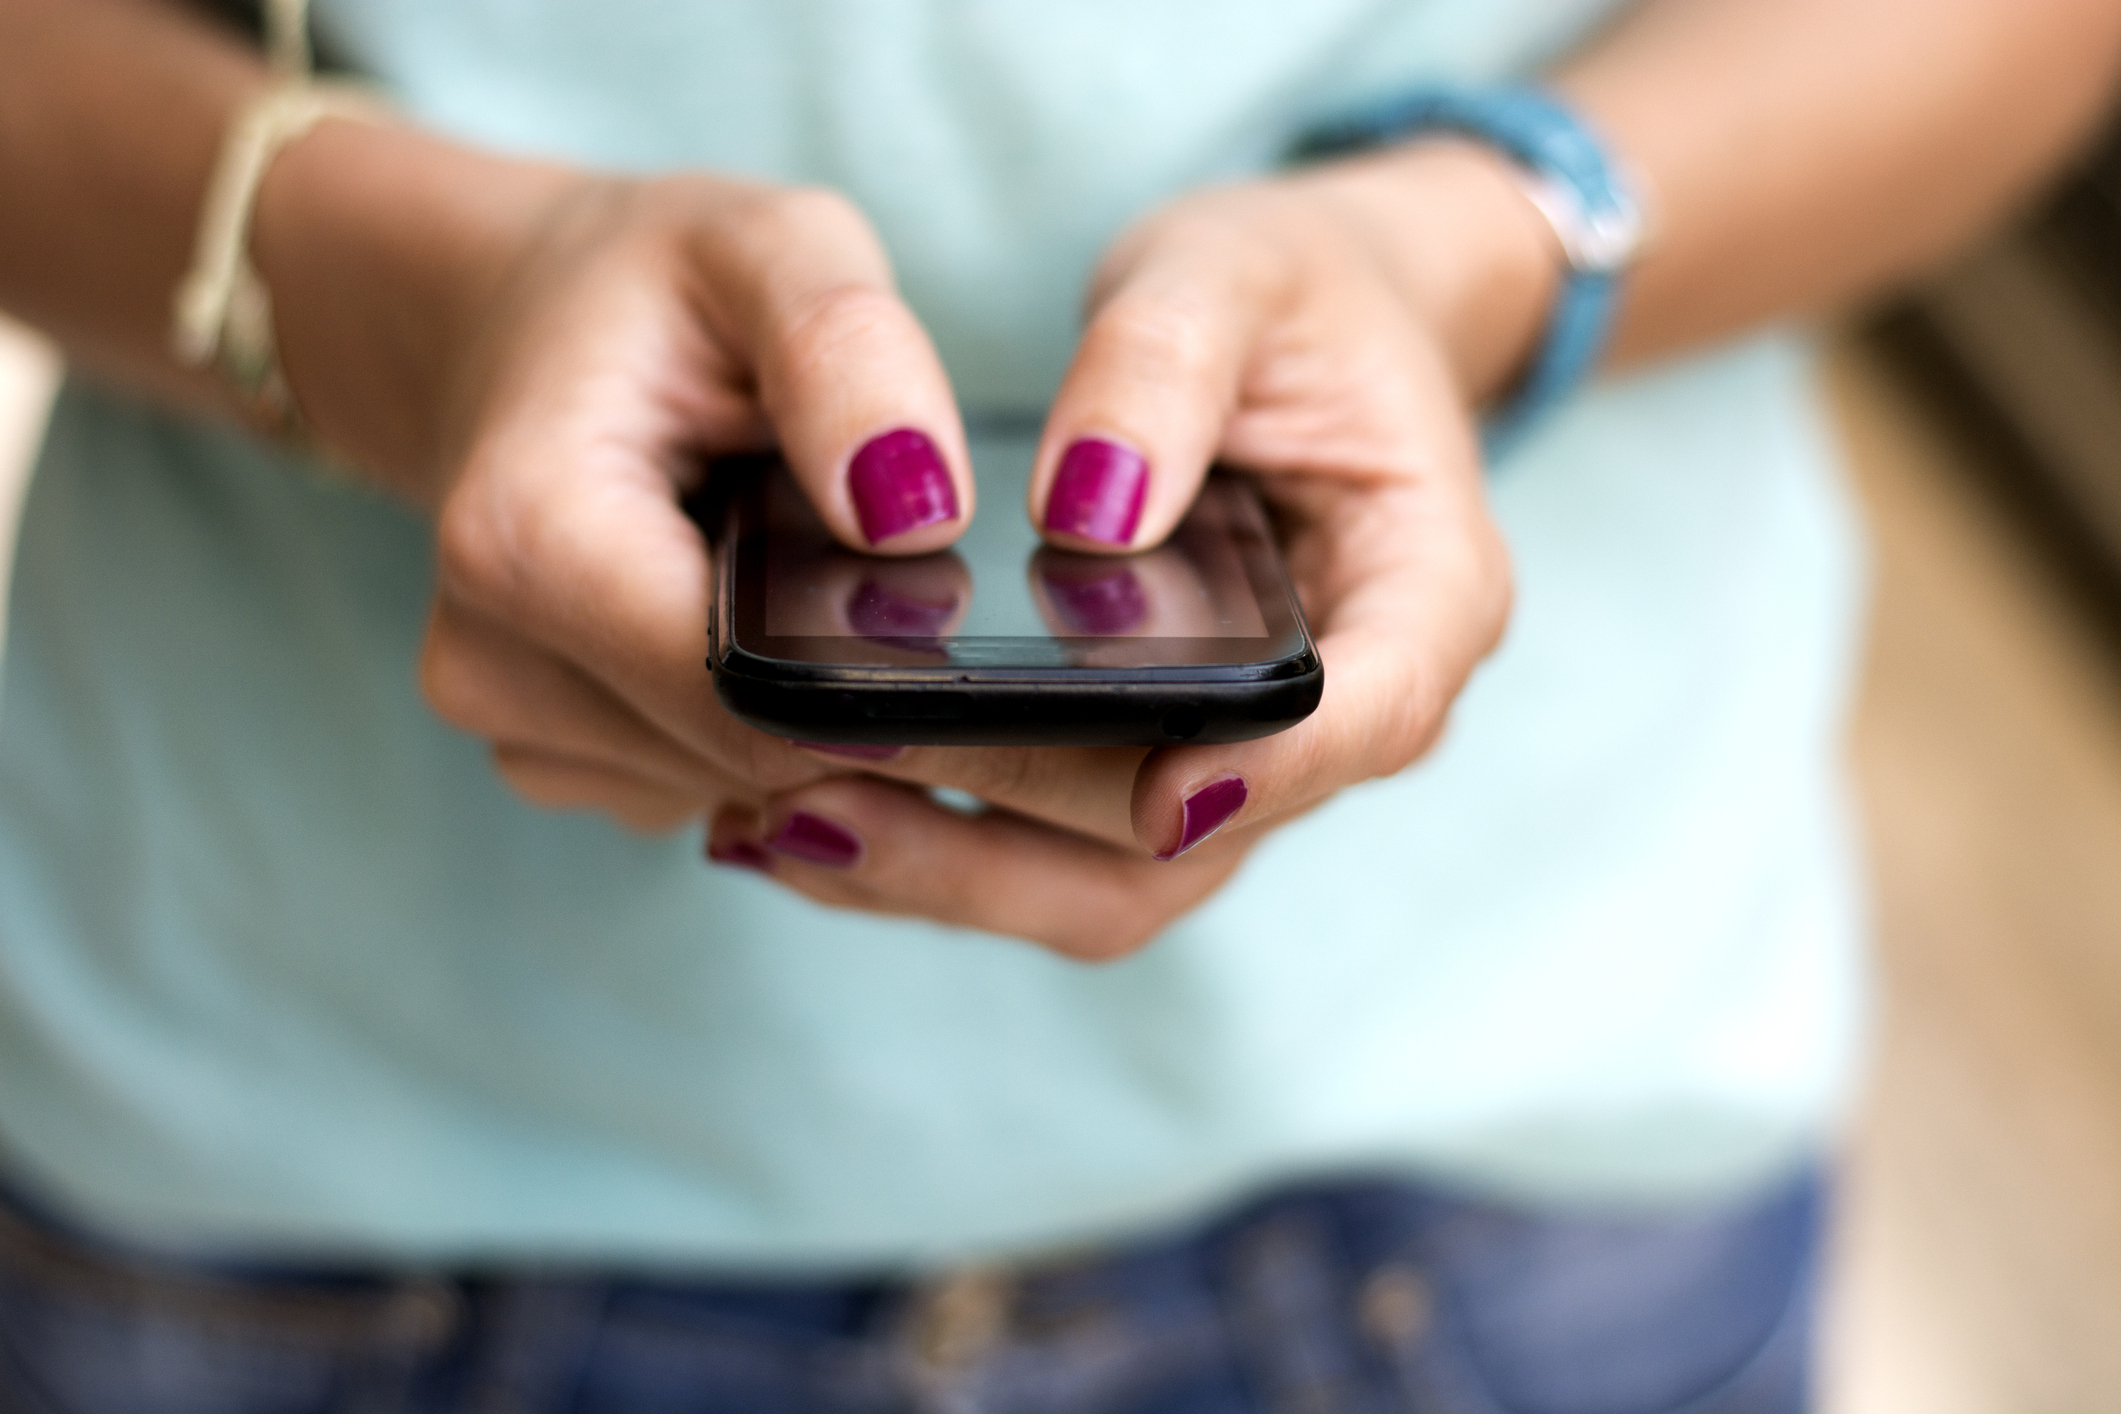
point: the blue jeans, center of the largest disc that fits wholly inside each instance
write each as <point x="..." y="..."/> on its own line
<point x="1361" y="1296"/>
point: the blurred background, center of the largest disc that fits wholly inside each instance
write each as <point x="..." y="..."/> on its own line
<point x="1978" y="1261"/>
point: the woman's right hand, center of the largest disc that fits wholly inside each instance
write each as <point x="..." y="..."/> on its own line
<point x="598" y="344"/>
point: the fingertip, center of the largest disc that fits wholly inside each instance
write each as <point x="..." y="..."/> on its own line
<point x="1099" y="488"/>
<point x="1204" y="808"/>
<point x="816" y="839"/>
<point x="1144" y="408"/>
<point x="900" y="486"/>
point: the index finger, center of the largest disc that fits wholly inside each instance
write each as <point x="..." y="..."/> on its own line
<point x="848" y="378"/>
<point x="1155" y="378"/>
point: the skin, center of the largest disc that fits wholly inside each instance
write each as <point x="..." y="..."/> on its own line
<point x="532" y="355"/>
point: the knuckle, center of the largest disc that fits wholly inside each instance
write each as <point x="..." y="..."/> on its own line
<point x="1118" y="916"/>
<point x="1498" y="574"/>
<point x="1005" y="775"/>
<point x="1169" y="337"/>
<point x="474" y="550"/>
<point x="768" y="763"/>
<point x="653" y="817"/>
<point x="1099" y="948"/>
<point x="777" y="228"/>
<point x="813" y="211"/>
<point x="1413" y="729"/>
<point x="818" y="333"/>
<point x="530" y="780"/>
<point x="688" y="198"/>
<point x="450" y="680"/>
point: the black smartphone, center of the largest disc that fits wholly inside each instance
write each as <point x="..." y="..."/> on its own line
<point x="1002" y="640"/>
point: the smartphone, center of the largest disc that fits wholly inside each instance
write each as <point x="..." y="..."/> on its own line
<point x="1001" y="639"/>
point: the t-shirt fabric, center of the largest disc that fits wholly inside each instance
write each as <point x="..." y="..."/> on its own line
<point x="284" y="967"/>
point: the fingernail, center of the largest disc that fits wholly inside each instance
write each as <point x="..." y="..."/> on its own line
<point x="1098" y="492"/>
<point x="851" y="750"/>
<point x="1108" y="604"/>
<point x="878" y="612"/>
<point x="899" y="483"/>
<point x="741" y="854"/>
<point x="818" y="840"/>
<point x="1206" y="810"/>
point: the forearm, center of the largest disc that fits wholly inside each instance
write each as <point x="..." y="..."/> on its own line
<point x="1807" y="152"/>
<point x="384" y="246"/>
<point x="375" y="240"/>
<point x="110" y="113"/>
<point x="1798" y="154"/>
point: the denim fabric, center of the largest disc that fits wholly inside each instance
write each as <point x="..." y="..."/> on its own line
<point x="1351" y="1297"/>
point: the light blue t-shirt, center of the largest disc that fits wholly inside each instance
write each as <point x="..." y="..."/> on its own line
<point x="283" y="967"/>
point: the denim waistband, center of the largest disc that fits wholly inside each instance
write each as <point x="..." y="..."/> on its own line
<point x="1355" y="1295"/>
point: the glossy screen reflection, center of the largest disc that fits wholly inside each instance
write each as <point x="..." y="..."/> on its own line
<point x="999" y="591"/>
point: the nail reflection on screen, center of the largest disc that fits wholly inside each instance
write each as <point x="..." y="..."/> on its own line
<point x="1000" y="583"/>
<point x="878" y="611"/>
<point x="1087" y="595"/>
<point x="1160" y="593"/>
<point x="912" y="604"/>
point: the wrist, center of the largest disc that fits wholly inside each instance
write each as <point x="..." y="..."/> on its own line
<point x="382" y="246"/>
<point x="1472" y="256"/>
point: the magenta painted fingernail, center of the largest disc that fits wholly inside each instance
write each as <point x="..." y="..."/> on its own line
<point x="1098" y="492"/>
<point x="899" y="483"/>
<point x="877" y="611"/>
<point x="818" y="840"/>
<point x="741" y="854"/>
<point x="1206" y="810"/>
<point x="852" y="750"/>
<point x="1108" y="604"/>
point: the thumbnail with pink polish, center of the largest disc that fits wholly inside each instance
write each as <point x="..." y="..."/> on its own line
<point x="898" y="483"/>
<point x="816" y="840"/>
<point x="1098" y="492"/>
<point x="1206" y="810"/>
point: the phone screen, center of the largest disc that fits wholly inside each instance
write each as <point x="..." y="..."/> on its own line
<point x="1213" y="593"/>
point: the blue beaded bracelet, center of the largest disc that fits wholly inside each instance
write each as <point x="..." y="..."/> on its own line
<point x="1577" y="187"/>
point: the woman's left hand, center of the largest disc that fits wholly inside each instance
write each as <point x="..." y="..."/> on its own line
<point x="1331" y="332"/>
